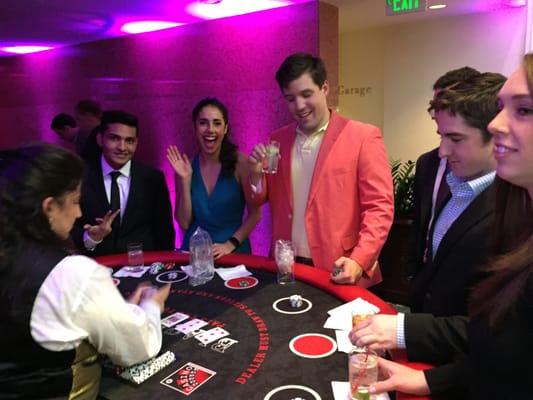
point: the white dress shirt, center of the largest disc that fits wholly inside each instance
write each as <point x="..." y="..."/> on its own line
<point x="79" y="301"/>
<point x="123" y="182"/>
<point x="304" y="154"/>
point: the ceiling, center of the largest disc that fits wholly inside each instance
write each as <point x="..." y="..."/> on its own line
<point x="67" y="22"/>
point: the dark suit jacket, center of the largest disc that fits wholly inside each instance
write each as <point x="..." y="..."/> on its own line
<point x="426" y="171"/>
<point x="441" y="285"/>
<point x="147" y="218"/>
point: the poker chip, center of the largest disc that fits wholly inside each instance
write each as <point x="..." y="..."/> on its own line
<point x="171" y="277"/>
<point x="292" y="392"/>
<point x="295" y="300"/>
<point x="284" y="306"/>
<point x="313" y="345"/>
<point x="244" y="282"/>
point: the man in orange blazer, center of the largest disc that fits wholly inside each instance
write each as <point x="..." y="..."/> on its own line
<point x="332" y="194"/>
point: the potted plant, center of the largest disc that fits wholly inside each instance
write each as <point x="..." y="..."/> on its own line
<point x="394" y="255"/>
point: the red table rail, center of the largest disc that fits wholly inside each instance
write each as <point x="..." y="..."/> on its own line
<point x="313" y="276"/>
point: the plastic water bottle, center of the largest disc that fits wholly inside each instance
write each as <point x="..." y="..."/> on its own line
<point x="201" y="258"/>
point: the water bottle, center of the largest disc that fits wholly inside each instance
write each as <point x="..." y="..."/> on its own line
<point x="201" y="258"/>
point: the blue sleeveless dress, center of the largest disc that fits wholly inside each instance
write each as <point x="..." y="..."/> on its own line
<point x="219" y="214"/>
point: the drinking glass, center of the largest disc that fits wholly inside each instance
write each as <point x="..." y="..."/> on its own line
<point x="357" y="318"/>
<point x="362" y="372"/>
<point x="135" y="257"/>
<point x="284" y="255"/>
<point x="270" y="162"/>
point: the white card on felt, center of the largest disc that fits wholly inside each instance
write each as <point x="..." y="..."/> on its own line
<point x="190" y="326"/>
<point x="174" y="319"/>
<point x="211" y="335"/>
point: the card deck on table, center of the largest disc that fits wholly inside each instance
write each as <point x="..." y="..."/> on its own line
<point x="188" y="378"/>
<point x="211" y="335"/>
<point x="173" y="319"/>
<point x="190" y="326"/>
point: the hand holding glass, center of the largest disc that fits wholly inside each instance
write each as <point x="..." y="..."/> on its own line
<point x="270" y="162"/>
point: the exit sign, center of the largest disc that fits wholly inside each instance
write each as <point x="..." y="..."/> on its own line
<point x="397" y="7"/>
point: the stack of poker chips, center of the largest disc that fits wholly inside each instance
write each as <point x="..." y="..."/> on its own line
<point x="156" y="267"/>
<point x="295" y="300"/>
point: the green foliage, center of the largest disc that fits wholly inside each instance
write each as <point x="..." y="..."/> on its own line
<point x="403" y="178"/>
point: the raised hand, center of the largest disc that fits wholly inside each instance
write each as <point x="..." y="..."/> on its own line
<point x="180" y="162"/>
<point x="377" y="332"/>
<point x="103" y="226"/>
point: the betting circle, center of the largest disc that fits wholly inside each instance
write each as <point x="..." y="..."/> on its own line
<point x="298" y="310"/>
<point x="245" y="282"/>
<point x="171" y="277"/>
<point x="313" y="345"/>
<point x="306" y="389"/>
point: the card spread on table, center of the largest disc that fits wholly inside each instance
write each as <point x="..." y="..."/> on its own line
<point x="357" y="305"/>
<point x="211" y="335"/>
<point x="191" y="325"/>
<point x="174" y="319"/>
<point x="188" y="378"/>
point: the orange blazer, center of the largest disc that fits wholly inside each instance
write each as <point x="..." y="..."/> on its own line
<point x="350" y="206"/>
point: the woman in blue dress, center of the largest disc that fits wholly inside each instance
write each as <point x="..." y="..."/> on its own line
<point x="210" y="190"/>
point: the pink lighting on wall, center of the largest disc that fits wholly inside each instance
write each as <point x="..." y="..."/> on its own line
<point x="24" y="49"/>
<point x="147" y="26"/>
<point x="228" y="8"/>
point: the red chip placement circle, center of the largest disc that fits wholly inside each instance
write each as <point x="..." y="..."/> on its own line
<point x="245" y="282"/>
<point x="313" y="345"/>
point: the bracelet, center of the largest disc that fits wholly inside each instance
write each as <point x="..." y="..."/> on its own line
<point x="234" y="241"/>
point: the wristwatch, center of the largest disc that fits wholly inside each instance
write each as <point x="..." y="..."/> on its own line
<point x="234" y="241"/>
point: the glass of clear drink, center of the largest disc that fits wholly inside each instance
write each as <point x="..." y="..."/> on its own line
<point x="135" y="257"/>
<point x="284" y="255"/>
<point x="270" y="162"/>
<point x="362" y="373"/>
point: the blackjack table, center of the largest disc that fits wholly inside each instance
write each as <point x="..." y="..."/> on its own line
<point x="264" y="347"/>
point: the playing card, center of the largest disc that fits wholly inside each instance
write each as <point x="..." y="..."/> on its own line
<point x="173" y="319"/>
<point x="188" y="378"/>
<point x="211" y="335"/>
<point x="191" y="325"/>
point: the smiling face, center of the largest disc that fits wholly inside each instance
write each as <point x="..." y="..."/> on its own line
<point x="118" y="143"/>
<point x="210" y="129"/>
<point x="468" y="155"/>
<point x="307" y="103"/>
<point x="512" y="129"/>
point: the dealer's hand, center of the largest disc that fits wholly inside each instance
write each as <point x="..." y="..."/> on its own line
<point x="346" y="271"/>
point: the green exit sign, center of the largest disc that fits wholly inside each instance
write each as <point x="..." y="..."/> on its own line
<point x="397" y="7"/>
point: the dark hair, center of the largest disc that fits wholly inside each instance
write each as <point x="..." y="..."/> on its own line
<point x="118" y="117"/>
<point x="28" y="175"/>
<point x="498" y="294"/>
<point x="298" y="64"/>
<point x="475" y="99"/>
<point x="454" y="76"/>
<point x="228" y="151"/>
<point x="62" y="120"/>
<point x="89" y="107"/>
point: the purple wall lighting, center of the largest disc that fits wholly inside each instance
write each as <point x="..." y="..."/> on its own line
<point x="24" y="49"/>
<point x="147" y="26"/>
<point x="160" y="76"/>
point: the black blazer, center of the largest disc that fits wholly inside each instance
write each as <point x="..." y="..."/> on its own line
<point x="147" y="218"/>
<point x="441" y="286"/>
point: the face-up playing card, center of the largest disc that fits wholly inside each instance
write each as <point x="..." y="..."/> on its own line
<point x="188" y="378"/>
<point x="173" y="319"/>
<point x="190" y="326"/>
<point x="211" y="335"/>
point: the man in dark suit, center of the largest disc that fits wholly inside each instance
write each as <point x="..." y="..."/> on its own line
<point x="122" y="200"/>
<point x="430" y="188"/>
<point x="455" y="239"/>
